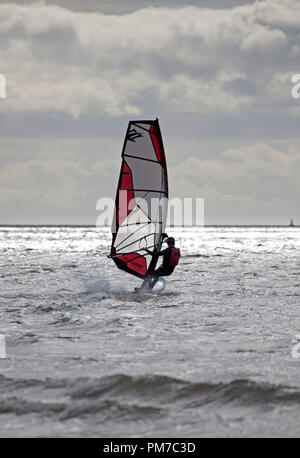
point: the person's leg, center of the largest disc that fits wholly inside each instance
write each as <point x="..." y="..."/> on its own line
<point x="153" y="281"/>
<point x="155" y="276"/>
<point x="146" y="282"/>
<point x="161" y="272"/>
<point x="145" y="285"/>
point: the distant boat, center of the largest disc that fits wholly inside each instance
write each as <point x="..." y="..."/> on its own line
<point x="292" y="223"/>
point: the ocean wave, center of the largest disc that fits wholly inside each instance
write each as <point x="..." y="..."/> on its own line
<point x="126" y="396"/>
<point x="8" y="384"/>
<point x="197" y="256"/>
<point x="20" y="406"/>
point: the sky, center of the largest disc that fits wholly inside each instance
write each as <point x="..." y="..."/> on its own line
<point x="216" y="73"/>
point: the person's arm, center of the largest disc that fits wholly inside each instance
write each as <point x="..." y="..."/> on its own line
<point x="158" y="253"/>
<point x="164" y="236"/>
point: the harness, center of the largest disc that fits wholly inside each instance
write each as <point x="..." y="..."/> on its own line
<point x="174" y="257"/>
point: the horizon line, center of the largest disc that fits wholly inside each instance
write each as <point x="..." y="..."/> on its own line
<point x="181" y="226"/>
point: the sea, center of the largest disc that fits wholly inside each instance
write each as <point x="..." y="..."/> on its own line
<point x="216" y="354"/>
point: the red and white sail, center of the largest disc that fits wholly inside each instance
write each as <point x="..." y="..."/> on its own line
<point x="141" y="200"/>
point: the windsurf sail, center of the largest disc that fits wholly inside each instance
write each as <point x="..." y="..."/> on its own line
<point x="141" y="200"/>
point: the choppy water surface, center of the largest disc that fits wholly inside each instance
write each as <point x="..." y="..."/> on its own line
<point x="211" y="356"/>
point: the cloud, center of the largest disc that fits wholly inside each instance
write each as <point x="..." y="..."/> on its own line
<point x="220" y="81"/>
<point x="256" y="182"/>
<point x="38" y="180"/>
<point x="188" y="60"/>
<point x="61" y="181"/>
<point x="127" y="6"/>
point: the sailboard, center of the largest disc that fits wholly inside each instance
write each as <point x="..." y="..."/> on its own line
<point x="141" y="203"/>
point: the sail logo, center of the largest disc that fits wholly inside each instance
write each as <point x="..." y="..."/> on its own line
<point x="295" y="80"/>
<point x="133" y="134"/>
<point x="2" y="87"/>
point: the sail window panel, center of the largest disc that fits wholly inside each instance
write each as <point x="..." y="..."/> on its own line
<point x="145" y="175"/>
<point x="151" y="204"/>
<point x="134" y="235"/>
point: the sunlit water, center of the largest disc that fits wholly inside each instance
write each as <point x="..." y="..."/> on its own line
<point x="215" y="354"/>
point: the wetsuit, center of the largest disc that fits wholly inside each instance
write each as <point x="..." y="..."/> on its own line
<point x="163" y="271"/>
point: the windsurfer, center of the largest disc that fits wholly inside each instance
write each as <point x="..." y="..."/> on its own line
<point x="171" y="257"/>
